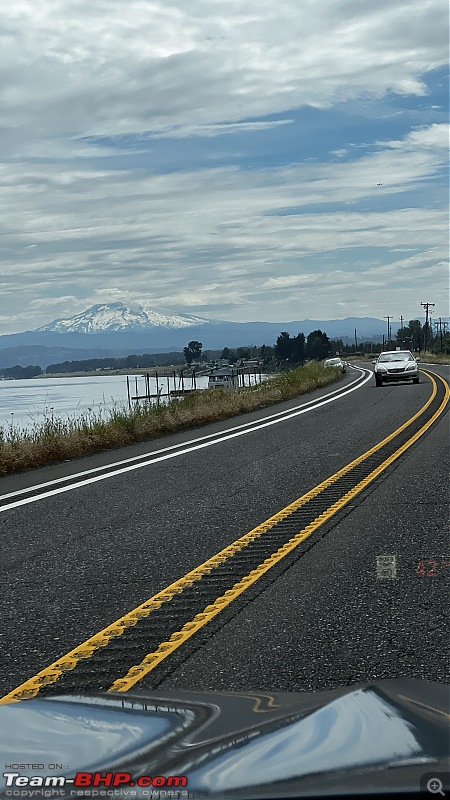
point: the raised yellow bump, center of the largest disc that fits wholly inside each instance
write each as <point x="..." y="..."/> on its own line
<point x="68" y="662"/>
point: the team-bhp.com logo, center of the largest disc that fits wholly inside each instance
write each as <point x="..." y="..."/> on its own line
<point x="93" y="784"/>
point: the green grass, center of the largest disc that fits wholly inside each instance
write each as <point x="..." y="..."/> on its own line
<point x="435" y="358"/>
<point x="55" y="439"/>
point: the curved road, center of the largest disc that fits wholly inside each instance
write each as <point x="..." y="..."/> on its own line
<point x="74" y="561"/>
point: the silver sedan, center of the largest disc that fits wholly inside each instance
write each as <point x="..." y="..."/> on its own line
<point x="396" y="365"/>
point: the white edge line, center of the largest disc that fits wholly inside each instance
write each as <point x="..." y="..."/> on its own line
<point x="74" y="475"/>
<point x="189" y="449"/>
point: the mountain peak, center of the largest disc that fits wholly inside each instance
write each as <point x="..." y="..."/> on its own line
<point x="120" y="317"/>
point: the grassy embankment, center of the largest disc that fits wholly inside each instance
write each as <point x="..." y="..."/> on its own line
<point x="55" y="439"/>
<point x="434" y="358"/>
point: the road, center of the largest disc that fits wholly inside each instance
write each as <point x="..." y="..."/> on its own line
<point x="76" y="558"/>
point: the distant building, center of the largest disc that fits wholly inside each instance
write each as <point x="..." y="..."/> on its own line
<point x="223" y="378"/>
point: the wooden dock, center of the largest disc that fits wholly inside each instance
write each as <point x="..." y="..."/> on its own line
<point x="180" y="389"/>
<point x="170" y="387"/>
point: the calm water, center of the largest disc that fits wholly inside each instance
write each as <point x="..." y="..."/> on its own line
<point x="25" y="402"/>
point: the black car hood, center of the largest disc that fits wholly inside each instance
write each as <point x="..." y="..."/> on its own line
<point x="363" y="739"/>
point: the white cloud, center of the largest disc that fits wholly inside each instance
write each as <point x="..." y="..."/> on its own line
<point x="95" y="67"/>
<point x="219" y="236"/>
<point x="46" y="303"/>
<point x="217" y="129"/>
<point x="208" y="238"/>
<point x="433" y="137"/>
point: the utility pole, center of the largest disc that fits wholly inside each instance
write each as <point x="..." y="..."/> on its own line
<point x="356" y="342"/>
<point x="388" y="317"/>
<point x="401" y="329"/>
<point x="427" y="307"/>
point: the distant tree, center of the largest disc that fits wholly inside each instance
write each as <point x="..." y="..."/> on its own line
<point x="127" y="362"/>
<point x="226" y="352"/>
<point x="318" y="345"/>
<point x="192" y="352"/>
<point x="283" y="347"/>
<point x="298" y="349"/>
<point x="289" y="350"/>
<point x="266" y="354"/>
<point x="51" y="368"/>
<point x="337" y="346"/>
<point x="17" y="372"/>
<point x="412" y="335"/>
<point x="32" y="371"/>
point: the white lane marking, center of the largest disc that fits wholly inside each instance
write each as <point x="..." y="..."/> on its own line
<point x="216" y="435"/>
<point x="189" y="449"/>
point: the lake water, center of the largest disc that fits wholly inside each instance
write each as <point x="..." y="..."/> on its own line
<point x="26" y="402"/>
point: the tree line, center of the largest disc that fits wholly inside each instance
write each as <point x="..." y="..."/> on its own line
<point x="288" y="351"/>
<point x="194" y="353"/>
<point x="133" y="361"/>
<point x="17" y="372"/>
<point x="418" y="337"/>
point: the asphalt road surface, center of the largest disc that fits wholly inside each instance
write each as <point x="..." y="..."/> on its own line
<point x="73" y="562"/>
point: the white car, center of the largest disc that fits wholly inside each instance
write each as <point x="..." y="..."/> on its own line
<point x="396" y="365"/>
<point x="335" y="362"/>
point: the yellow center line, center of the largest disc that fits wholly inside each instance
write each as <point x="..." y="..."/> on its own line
<point x="178" y="638"/>
<point x="49" y="675"/>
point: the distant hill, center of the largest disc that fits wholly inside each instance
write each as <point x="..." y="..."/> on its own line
<point x="43" y="355"/>
<point x="114" y="330"/>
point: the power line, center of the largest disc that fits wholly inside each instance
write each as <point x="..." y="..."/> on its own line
<point x="438" y="328"/>
<point x="441" y="326"/>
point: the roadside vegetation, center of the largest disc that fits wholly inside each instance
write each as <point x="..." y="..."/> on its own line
<point x="435" y="358"/>
<point x="55" y="439"/>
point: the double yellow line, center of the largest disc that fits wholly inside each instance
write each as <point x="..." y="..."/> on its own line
<point x="52" y="673"/>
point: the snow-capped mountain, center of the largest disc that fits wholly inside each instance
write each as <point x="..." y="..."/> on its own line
<point x="119" y="317"/>
<point x="172" y="320"/>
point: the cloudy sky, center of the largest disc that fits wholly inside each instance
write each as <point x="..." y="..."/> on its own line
<point x="223" y="158"/>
